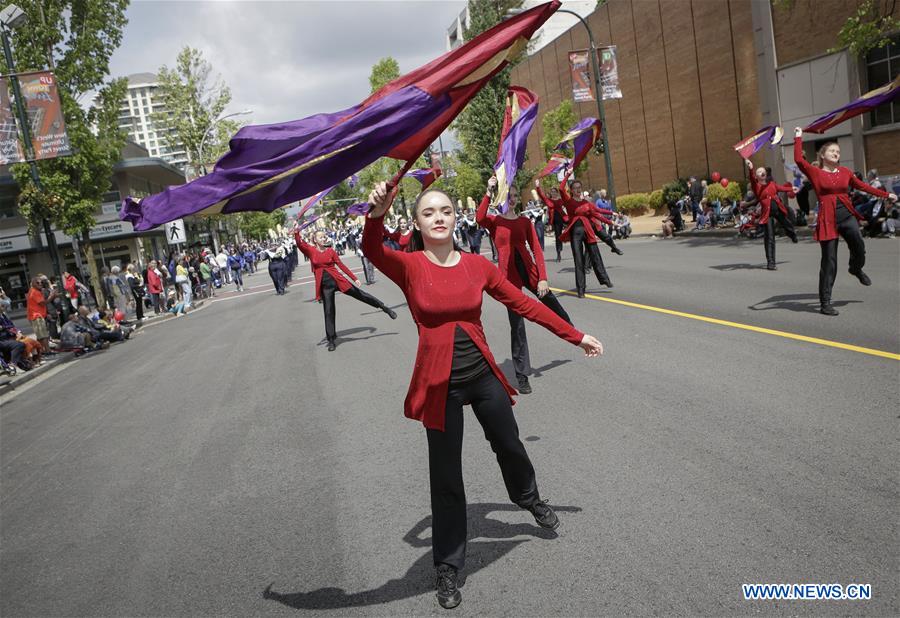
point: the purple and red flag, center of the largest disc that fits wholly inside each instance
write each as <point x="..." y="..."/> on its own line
<point x="770" y="135"/>
<point x="865" y="103"/>
<point x="580" y="138"/>
<point x="424" y="175"/>
<point x="558" y="163"/>
<point x="518" y="118"/>
<point x="269" y="166"/>
<point x="308" y="222"/>
<point x="315" y="199"/>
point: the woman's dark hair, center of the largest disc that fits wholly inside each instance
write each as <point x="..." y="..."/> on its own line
<point x="416" y="243"/>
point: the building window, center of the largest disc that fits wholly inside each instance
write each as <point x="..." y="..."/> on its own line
<point x="882" y="66"/>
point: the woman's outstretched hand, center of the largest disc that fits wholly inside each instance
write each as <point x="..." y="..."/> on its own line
<point x="798" y="132"/>
<point x="591" y="346"/>
<point x="381" y="199"/>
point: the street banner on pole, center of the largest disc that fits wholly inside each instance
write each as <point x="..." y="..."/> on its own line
<point x="579" y="66"/>
<point x="10" y="148"/>
<point x="48" y="128"/>
<point x="609" y="72"/>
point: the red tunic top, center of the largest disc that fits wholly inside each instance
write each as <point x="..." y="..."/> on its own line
<point x="400" y="238"/>
<point x="766" y="194"/>
<point x="325" y="261"/>
<point x="439" y="299"/>
<point x="579" y="210"/>
<point x="154" y="284"/>
<point x="831" y="187"/>
<point x="553" y="206"/>
<point x="513" y="235"/>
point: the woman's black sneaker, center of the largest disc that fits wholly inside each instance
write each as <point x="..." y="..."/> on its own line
<point x="448" y="594"/>
<point x="828" y="310"/>
<point x="544" y="515"/>
<point x="863" y="277"/>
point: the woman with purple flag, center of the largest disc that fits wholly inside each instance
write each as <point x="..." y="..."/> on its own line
<point x="444" y="288"/>
<point x="521" y="261"/>
<point x="766" y="192"/>
<point x="325" y="263"/>
<point x="832" y="184"/>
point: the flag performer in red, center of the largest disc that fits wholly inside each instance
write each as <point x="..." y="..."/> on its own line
<point x="771" y="209"/>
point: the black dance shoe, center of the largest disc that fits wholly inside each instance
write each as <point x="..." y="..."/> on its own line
<point x="544" y="515"/>
<point x="391" y="313"/>
<point x="863" y="277"/>
<point x="524" y="386"/>
<point x="447" y="592"/>
<point x="606" y="281"/>
<point x="580" y="293"/>
<point x="794" y="239"/>
<point x="617" y="251"/>
<point x="331" y="346"/>
<point x="771" y="267"/>
<point x="827" y="309"/>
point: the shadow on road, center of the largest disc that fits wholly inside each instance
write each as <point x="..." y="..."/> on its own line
<point x="342" y="334"/>
<point x="509" y="370"/>
<point x="744" y="266"/>
<point x="379" y="310"/>
<point x="795" y="302"/>
<point x="419" y="578"/>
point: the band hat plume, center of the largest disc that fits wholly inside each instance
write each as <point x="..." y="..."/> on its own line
<point x="269" y="166"/>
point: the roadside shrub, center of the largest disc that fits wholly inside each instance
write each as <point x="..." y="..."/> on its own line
<point x="732" y="192"/>
<point x="656" y="200"/>
<point x="674" y="191"/>
<point x="633" y="203"/>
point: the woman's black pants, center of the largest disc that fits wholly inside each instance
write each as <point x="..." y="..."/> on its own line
<point x="448" y="496"/>
<point x="329" y="287"/>
<point x="558" y="226"/>
<point x="769" y="232"/>
<point x="519" y="340"/>
<point x="849" y="231"/>
<point x="578" y="245"/>
<point x="278" y="272"/>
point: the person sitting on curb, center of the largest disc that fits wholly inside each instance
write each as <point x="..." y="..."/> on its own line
<point x="12" y="350"/>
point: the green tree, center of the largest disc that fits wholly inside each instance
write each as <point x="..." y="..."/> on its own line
<point x="194" y="98"/>
<point x="467" y="182"/>
<point x="556" y="123"/>
<point x="75" y="39"/>
<point x="478" y="125"/>
<point x="256" y="225"/>
<point x="384" y="71"/>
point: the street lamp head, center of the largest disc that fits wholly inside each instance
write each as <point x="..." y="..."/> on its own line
<point x="12" y="17"/>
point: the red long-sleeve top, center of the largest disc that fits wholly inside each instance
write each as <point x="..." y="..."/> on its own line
<point x="553" y="206"/>
<point x="439" y="299"/>
<point x="578" y="210"/>
<point x="71" y="285"/>
<point x="401" y="239"/>
<point x="326" y="261"/>
<point x="831" y="187"/>
<point x="154" y="283"/>
<point x="766" y="194"/>
<point x="514" y="235"/>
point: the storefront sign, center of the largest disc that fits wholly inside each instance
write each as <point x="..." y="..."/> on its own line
<point x="10" y="244"/>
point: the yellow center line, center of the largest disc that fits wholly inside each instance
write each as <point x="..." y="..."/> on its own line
<point x="755" y="329"/>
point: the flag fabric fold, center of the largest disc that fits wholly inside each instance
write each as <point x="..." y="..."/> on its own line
<point x="770" y="135"/>
<point x="558" y="162"/>
<point x="269" y="166"/>
<point x="518" y="119"/>
<point x="358" y="210"/>
<point x="309" y="222"/>
<point x="866" y="103"/>
<point x="315" y="199"/>
<point x="425" y="175"/>
<point x="579" y="140"/>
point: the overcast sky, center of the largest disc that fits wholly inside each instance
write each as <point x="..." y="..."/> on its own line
<point x="289" y="59"/>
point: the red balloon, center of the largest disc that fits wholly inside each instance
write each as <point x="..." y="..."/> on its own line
<point x="716" y="176"/>
<point x="118" y="316"/>
<point x="724" y="182"/>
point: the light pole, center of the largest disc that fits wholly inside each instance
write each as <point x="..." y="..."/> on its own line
<point x="210" y="127"/>
<point x="12" y="17"/>
<point x="599" y="96"/>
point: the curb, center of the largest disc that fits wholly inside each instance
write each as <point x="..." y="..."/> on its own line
<point x="20" y="379"/>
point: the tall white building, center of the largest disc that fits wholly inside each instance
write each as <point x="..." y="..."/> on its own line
<point x="554" y="26"/>
<point x="136" y="119"/>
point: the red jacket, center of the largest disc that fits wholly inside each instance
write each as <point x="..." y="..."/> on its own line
<point x="512" y="235"/>
<point x="36" y="304"/>
<point x="154" y="283"/>
<point x="553" y="206"/>
<point x="766" y="194"/>
<point x="578" y="210"/>
<point x="831" y="187"/>
<point x="439" y="299"/>
<point x="70" y="283"/>
<point x="325" y="261"/>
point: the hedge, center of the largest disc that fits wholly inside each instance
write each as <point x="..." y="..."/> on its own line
<point x="633" y="202"/>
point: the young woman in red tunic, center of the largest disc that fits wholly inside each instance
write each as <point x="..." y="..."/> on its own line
<point x="580" y="232"/>
<point x="454" y="367"/>
<point x="402" y="235"/>
<point x="556" y="212"/>
<point x="325" y="262"/>
<point x="766" y="192"/>
<point x="832" y="184"/>
<point x="517" y="242"/>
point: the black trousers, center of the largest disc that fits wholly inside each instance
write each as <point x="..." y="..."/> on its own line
<point x="474" y="238"/>
<point x="769" y="232"/>
<point x="558" y="226"/>
<point x="849" y="231"/>
<point x="13" y="350"/>
<point x="368" y="270"/>
<point x="329" y="287"/>
<point x="492" y="408"/>
<point x="578" y="245"/>
<point x="278" y="272"/>
<point x="138" y="304"/>
<point x="519" y="340"/>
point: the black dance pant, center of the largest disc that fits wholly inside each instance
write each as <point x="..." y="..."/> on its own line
<point x="278" y="272"/>
<point x="519" y="340"/>
<point x="578" y="246"/>
<point x="329" y="287"/>
<point x="769" y="232"/>
<point x="448" y="495"/>
<point x="849" y="231"/>
<point x="558" y="226"/>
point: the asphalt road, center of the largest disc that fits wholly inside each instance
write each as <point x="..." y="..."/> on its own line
<point x="225" y="463"/>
